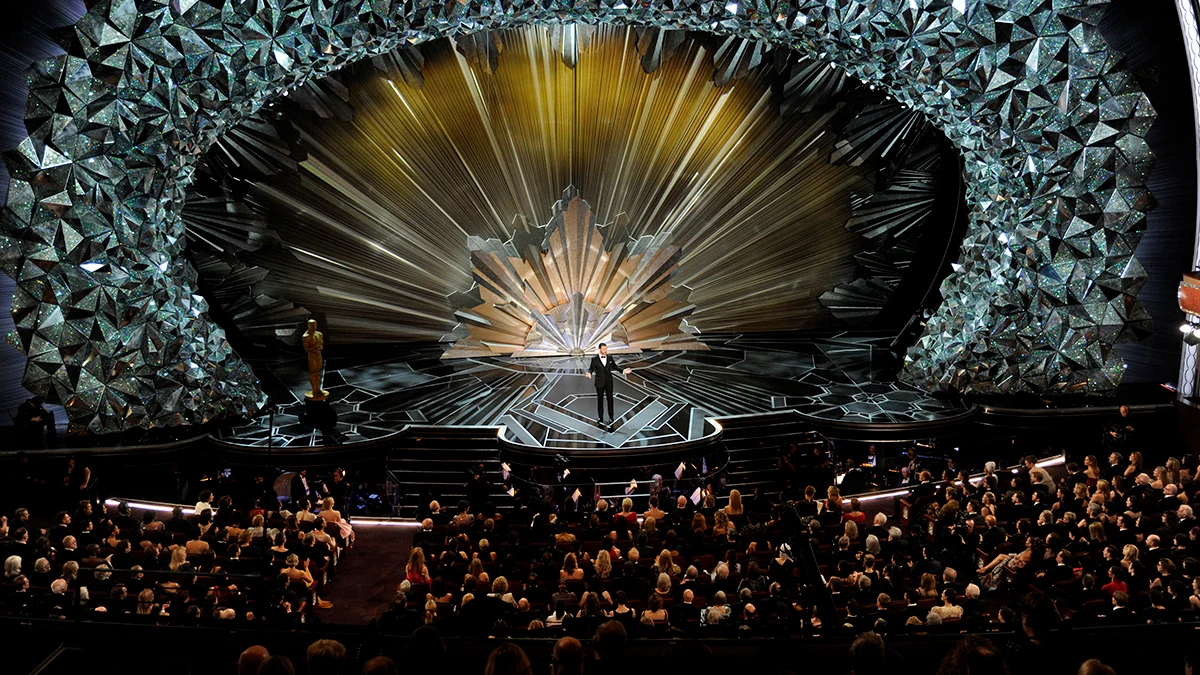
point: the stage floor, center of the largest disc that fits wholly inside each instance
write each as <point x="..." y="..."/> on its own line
<point x="548" y="402"/>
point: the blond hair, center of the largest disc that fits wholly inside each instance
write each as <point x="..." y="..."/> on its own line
<point x="603" y="564"/>
<point x="735" y="502"/>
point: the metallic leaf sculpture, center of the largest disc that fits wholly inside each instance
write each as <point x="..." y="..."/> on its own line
<point x="1050" y="123"/>
<point x="569" y="294"/>
<point x="895" y="216"/>
<point x="404" y="63"/>
<point x="656" y="44"/>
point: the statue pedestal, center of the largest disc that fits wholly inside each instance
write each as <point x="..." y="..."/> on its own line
<point x="318" y="415"/>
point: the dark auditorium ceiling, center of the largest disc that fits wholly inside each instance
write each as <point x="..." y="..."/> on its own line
<point x="799" y="197"/>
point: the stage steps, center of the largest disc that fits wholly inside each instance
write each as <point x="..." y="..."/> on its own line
<point x="437" y="466"/>
<point x="754" y="446"/>
<point x="434" y="463"/>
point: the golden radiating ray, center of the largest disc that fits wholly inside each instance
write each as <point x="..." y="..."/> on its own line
<point x="384" y="203"/>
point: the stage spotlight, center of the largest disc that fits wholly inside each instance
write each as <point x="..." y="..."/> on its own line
<point x="1190" y="333"/>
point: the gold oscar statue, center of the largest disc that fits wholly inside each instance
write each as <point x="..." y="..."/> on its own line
<point x="314" y="342"/>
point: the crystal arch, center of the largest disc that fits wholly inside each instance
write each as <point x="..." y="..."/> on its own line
<point x="1050" y="123"/>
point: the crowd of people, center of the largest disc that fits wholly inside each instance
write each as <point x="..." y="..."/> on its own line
<point x="607" y="653"/>
<point x="1015" y="551"/>
<point x="1101" y="542"/>
<point x="246" y="557"/>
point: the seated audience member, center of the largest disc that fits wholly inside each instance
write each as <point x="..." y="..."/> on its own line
<point x="567" y="658"/>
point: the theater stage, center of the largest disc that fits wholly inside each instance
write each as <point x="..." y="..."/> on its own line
<point x="671" y="398"/>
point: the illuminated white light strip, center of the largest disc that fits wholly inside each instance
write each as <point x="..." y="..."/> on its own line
<point x="161" y="508"/>
<point x="367" y="521"/>
<point x="371" y="522"/>
<point x="881" y="495"/>
<point x="1049" y="461"/>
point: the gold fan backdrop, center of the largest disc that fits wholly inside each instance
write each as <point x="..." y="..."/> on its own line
<point x="380" y="215"/>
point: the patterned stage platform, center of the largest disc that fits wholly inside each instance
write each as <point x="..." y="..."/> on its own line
<point x="548" y="403"/>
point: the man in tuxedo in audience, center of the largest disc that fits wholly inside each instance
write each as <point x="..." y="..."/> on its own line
<point x="1075" y="476"/>
<point x="258" y="490"/>
<point x="178" y="524"/>
<point x="879" y="527"/>
<point x="426" y="538"/>
<point x="601" y="371"/>
<point x="68" y="550"/>
<point x="1061" y="570"/>
<point x="1116" y="467"/>
<point x="481" y="614"/>
<point x="928" y="564"/>
<point x="234" y="564"/>
<point x="1118" y="429"/>
<point x="926" y="487"/>
<point x="644" y="549"/>
<point x="1120" y="612"/>
<point x="19" y="546"/>
<point x="632" y="580"/>
<point x="807" y="506"/>
<point x="994" y="536"/>
<point x="118" y="601"/>
<point x="1154" y="551"/>
<point x="302" y="488"/>
<point x="61" y="528"/>
<point x="681" y="515"/>
<point x="527" y="612"/>
<point x="399" y="618"/>
<point x="683" y="612"/>
<point x="971" y="603"/>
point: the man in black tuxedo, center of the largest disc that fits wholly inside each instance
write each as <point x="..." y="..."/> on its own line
<point x="603" y="366"/>
<point x="36" y="423"/>
<point x="1118" y="429"/>
<point x="303" y="488"/>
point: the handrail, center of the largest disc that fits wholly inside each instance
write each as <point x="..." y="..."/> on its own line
<point x="168" y="507"/>
<point x="1052" y="460"/>
<point x="1073" y="411"/>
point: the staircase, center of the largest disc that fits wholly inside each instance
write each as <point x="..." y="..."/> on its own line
<point x="436" y="465"/>
<point x="754" y="444"/>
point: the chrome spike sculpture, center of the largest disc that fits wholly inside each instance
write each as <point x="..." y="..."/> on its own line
<point x="566" y="296"/>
